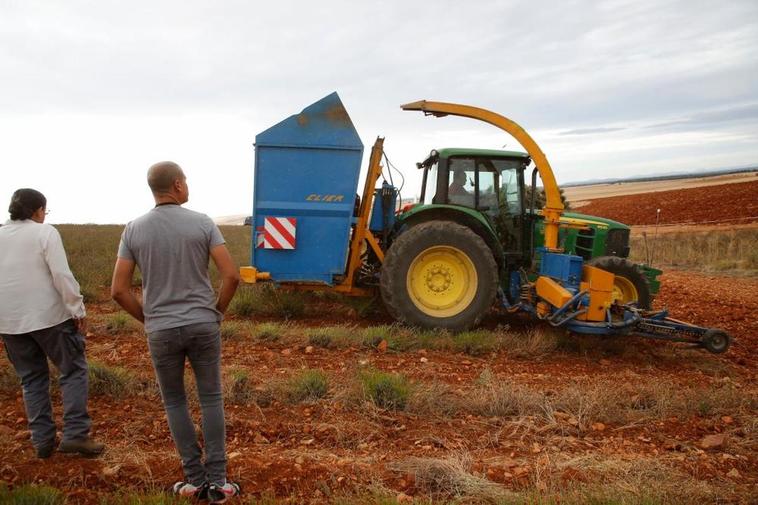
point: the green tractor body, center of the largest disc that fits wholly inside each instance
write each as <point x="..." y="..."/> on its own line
<point x="479" y="197"/>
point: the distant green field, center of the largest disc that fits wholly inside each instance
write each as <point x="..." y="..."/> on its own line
<point x="92" y="249"/>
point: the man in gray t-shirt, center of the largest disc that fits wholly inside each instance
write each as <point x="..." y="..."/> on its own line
<point x="172" y="247"/>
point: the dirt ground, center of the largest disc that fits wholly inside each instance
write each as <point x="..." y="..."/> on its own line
<point x="314" y="451"/>
<point x="306" y="452"/>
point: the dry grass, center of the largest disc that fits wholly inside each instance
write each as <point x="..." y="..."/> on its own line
<point x="113" y="381"/>
<point x="451" y="478"/>
<point x="269" y="332"/>
<point x="119" y="323"/>
<point x="575" y="406"/>
<point x="235" y="330"/>
<point x="734" y="250"/>
<point x="239" y="389"/>
<point x="9" y="381"/>
<point x="92" y="249"/>
<point x="267" y="300"/>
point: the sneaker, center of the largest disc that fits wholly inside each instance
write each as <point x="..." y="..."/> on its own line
<point x="219" y="494"/>
<point x="187" y="490"/>
<point x="85" y="447"/>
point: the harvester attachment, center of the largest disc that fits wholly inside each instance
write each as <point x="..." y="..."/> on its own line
<point x="629" y="320"/>
<point x="579" y="297"/>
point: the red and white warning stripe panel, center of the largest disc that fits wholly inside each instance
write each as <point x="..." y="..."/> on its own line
<point x="260" y="232"/>
<point x="279" y="232"/>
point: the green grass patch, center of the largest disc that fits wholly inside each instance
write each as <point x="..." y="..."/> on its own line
<point x="145" y="499"/>
<point x="385" y="390"/>
<point x="119" y="323"/>
<point x="307" y="385"/>
<point x="30" y="495"/>
<point x="476" y="343"/>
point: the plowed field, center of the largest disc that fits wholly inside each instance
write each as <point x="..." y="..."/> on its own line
<point x="735" y="203"/>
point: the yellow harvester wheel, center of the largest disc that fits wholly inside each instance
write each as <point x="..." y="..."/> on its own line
<point x="442" y="281"/>
<point x="439" y="274"/>
<point x="624" y="290"/>
<point x="629" y="284"/>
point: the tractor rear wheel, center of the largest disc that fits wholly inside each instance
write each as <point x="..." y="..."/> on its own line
<point x="629" y="284"/>
<point x="439" y="274"/>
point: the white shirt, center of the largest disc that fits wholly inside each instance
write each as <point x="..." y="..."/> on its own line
<point x="37" y="288"/>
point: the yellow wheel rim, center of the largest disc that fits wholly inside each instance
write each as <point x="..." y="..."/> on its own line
<point x="624" y="290"/>
<point x="442" y="281"/>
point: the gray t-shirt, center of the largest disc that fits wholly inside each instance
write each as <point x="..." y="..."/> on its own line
<point x="171" y="246"/>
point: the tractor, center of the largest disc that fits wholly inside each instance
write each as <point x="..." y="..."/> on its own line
<point x="473" y="240"/>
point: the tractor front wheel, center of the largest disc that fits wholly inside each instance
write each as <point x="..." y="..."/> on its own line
<point x="439" y="274"/>
<point x="629" y="284"/>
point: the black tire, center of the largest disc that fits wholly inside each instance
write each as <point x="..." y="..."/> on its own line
<point x="716" y="341"/>
<point x="622" y="267"/>
<point x="408" y="246"/>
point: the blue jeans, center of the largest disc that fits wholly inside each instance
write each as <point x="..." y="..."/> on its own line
<point x="28" y="352"/>
<point x="201" y="344"/>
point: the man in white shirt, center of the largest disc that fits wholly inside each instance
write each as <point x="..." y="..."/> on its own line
<point x="42" y="316"/>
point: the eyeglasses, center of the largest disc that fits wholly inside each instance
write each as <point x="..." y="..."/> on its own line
<point x="47" y="211"/>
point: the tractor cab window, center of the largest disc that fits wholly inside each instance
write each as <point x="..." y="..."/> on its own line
<point x="510" y="191"/>
<point x="430" y="187"/>
<point x="461" y="180"/>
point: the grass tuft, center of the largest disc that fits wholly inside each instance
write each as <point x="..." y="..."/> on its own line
<point x="475" y="343"/>
<point x="240" y="390"/>
<point x="119" y="323"/>
<point x="113" y="381"/>
<point x="233" y="330"/>
<point x="385" y="390"/>
<point x="330" y="337"/>
<point x="451" y="477"/>
<point x="307" y="385"/>
<point x="268" y="332"/>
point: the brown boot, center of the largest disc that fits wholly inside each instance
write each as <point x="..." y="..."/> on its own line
<point x="85" y="447"/>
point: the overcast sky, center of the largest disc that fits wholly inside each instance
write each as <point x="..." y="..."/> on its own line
<point x="93" y="92"/>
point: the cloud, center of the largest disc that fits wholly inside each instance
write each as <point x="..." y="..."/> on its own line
<point x="123" y="73"/>
<point x="588" y="131"/>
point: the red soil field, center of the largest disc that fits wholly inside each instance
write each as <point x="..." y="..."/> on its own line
<point x="737" y="203"/>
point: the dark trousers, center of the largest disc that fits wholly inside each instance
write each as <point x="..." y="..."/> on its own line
<point x="169" y="349"/>
<point x="64" y="346"/>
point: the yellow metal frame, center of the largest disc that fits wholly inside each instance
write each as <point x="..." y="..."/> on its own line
<point x="553" y="204"/>
<point x="361" y="231"/>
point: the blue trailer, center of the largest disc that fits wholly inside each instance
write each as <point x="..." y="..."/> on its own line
<point x="305" y="204"/>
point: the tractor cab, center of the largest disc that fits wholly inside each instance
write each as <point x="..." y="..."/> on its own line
<point x="489" y="182"/>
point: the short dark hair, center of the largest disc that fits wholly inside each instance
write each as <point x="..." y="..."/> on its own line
<point x="25" y="202"/>
<point x="161" y="176"/>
